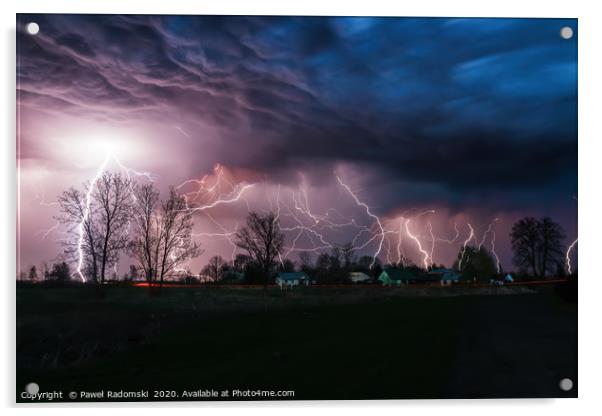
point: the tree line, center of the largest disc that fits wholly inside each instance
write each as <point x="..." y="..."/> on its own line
<point x="538" y="251"/>
<point x="331" y="266"/>
<point x="114" y="215"/>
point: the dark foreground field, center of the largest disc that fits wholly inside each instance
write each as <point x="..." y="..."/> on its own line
<point x="358" y="343"/>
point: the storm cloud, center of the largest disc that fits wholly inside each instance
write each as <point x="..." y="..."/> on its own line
<point x="428" y="111"/>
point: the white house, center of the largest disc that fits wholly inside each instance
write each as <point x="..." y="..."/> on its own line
<point x="358" y="277"/>
<point x="292" y="279"/>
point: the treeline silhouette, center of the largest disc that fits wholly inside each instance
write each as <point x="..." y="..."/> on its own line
<point x="114" y="216"/>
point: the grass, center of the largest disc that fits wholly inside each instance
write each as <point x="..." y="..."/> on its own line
<point x="321" y="343"/>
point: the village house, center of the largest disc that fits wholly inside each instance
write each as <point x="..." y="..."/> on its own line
<point x="396" y="277"/>
<point x="446" y="277"/>
<point x="501" y="282"/>
<point x="292" y="279"/>
<point x="359" y="277"/>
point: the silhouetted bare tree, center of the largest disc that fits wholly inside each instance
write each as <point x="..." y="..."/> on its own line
<point x="525" y="241"/>
<point x="306" y="261"/>
<point x="175" y="236"/>
<point x="133" y="273"/>
<point x="241" y="261"/>
<point x="162" y="237"/>
<point x="113" y="196"/>
<point x="262" y="239"/>
<point x="60" y="272"/>
<point x="33" y="273"/>
<point x="144" y="244"/>
<point x="214" y="268"/>
<point x="537" y="244"/>
<point x="551" y="246"/>
<point x="348" y="253"/>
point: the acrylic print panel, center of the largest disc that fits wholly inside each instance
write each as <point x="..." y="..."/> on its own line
<point x="293" y="208"/>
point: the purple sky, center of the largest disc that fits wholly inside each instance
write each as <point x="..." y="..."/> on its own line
<point x="472" y="118"/>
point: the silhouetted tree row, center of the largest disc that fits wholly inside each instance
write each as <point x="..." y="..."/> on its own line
<point x="163" y="233"/>
<point x="113" y="215"/>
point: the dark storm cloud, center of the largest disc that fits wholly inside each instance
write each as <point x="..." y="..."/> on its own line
<point x="463" y="106"/>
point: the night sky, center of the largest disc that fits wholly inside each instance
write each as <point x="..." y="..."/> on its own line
<point x="475" y="119"/>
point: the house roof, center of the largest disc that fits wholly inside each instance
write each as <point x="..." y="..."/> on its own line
<point x="399" y="274"/>
<point x="450" y="275"/>
<point x="292" y="276"/>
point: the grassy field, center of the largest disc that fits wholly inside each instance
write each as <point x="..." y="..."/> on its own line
<point x="359" y="343"/>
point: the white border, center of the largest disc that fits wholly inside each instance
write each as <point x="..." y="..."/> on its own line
<point x="590" y="207"/>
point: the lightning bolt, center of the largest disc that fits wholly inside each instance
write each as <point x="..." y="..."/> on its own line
<point x="568" y="256"/>
<point x="488" y="231"/>
<point x="45" y="233"/>
<point x="569" y="249"/>
<point x="299" y="227"/>
<point x="492" y="232"/>
<point x="129" y="171"/>
<point x="430" y="227"/>
<point x="80" y="227"/>
<point x="471" y="235"/>
<point x="450" y="240"/>
<point x="370" y="214"/>
<point x="228" y="200"/>
<point x="400" y="254"/>
<point x="425" y="254"/>
<point x="212" y="191"/>
<point x="181" y="130"/>
<point x="497" y="259"/>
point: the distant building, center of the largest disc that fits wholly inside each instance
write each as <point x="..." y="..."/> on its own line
<point x="233" y="276"/>
<point x="396" y="277"/>
<point x="203" y="278"/>
<point x="447" y="277"/>
<point x="359" y="277"/>
<point x="501" y="282"/>
<point x="292" y="279"/>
